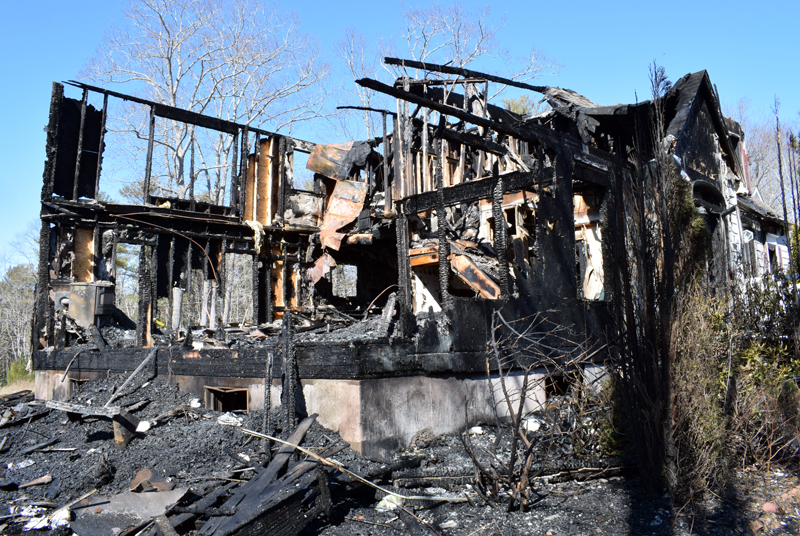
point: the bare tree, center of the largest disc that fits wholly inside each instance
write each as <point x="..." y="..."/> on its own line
<point x="16" y="304"/>
<point x="360" y="61"/>
<point x="761" y="152"/>
<point x="238" y="60"/>
<point x="438" y="33"/>
<point x="448" y="33"/>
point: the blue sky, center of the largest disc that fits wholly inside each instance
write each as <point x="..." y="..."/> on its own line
<point x="748" y="49"/>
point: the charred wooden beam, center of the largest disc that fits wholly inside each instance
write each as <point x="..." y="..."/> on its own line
<point x="124" y="424"/>
<point x="303" y="146"/>
<point x="500" y="231"/>
<point x="475" y="278"/>
<point x="237" y="190"/>
<point x="284" y="188"/>
<point x="428" y="82"/>
<point x="169" y="112"/>
<point x="223" y="282"/>
<point x="93" y="411"/>
<point x="256" y="273"/>
<point x="475" y="142"/>
<point x="206" y="286"/>
<point x="290" y="366"/>
<point x="170" y="279"/>
<point x="235" y="168"/>
<point x="186" y="116"/>
<point x="474" y="190"/>
<point x="81" y="128"/>
<point x="152" y="281"/>
<point x="149" y="159"/>
<point x="191" y="169"/>
<point x="444" y="244"/>
<point x="142" y="325"/>
<point x="526" y="132"/>
<point x="266" y="268"/>
<point x="387" y="204"/>
<point x="188" y="273"/>
<point x="43" y="315"/>
<point x="100" y="146"/>
<point x="404" y="273"/>
<point x="367" y="109"/>
<point x="460" y="71"/>
<point x="406" y="184"/>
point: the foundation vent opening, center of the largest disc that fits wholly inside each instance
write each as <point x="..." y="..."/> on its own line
<point x="556" y="386"/>
<point x="226" y="399"/>
<point x="75" y="385"/>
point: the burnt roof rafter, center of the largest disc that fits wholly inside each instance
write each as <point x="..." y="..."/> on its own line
<point x="549" y="138"/>
<point x="188" y="116"/>
<point x="460" y="71"/>
<point x="476" y="142"/>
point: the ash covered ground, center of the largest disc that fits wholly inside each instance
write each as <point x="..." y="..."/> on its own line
<point x="187" y="447"/>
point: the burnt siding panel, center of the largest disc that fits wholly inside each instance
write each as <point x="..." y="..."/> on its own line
<point x="162" y="269"/>
<point x="700" y="147"/>
<point x="469" y="328"/>
<point x="555" y="265"/>
<point x="67" y="149"/>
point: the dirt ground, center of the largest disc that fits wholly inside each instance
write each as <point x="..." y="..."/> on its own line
<point x="16" y="387"/>
<point x="189" y="448"/>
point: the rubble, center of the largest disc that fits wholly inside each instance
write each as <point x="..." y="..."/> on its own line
<point x="181" y="459"/>
<point x="191" y="475"/>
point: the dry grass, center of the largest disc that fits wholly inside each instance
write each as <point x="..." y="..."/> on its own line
<point x="16" y="387"/>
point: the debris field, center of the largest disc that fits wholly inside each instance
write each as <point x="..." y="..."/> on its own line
<point x="191" y="470"/>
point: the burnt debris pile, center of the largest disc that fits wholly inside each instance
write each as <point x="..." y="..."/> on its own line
<point x="135" y="455"/>
<point x="171" y="465"/>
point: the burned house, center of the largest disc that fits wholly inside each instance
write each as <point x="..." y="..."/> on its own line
<point x="709" y="151"/>
<point x="372" y="286"/>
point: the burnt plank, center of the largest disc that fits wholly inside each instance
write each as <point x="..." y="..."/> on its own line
<point x="472" y="191"/>
<point x="352" y="360"/>
<point x="460" y="71"/>
<point x="250" y="494"/>
<point x="280" y="508"/>
<point x="288" y="510"/>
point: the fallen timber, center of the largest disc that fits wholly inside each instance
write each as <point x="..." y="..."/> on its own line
<point x="268" y="505"/>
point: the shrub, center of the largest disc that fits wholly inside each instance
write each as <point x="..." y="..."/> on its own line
<point x="700" y="344"/>
<point x="17" y="371"/>
<point x="734" y="391"/>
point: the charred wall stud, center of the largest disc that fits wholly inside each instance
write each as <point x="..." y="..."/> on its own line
<point x="500" y="237"/>
<point x="100" y="146"/>
<point x="444" y="244"/>
<point x="149" y="158"/>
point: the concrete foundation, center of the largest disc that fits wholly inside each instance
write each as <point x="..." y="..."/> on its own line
<point x="376" y="416"/>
